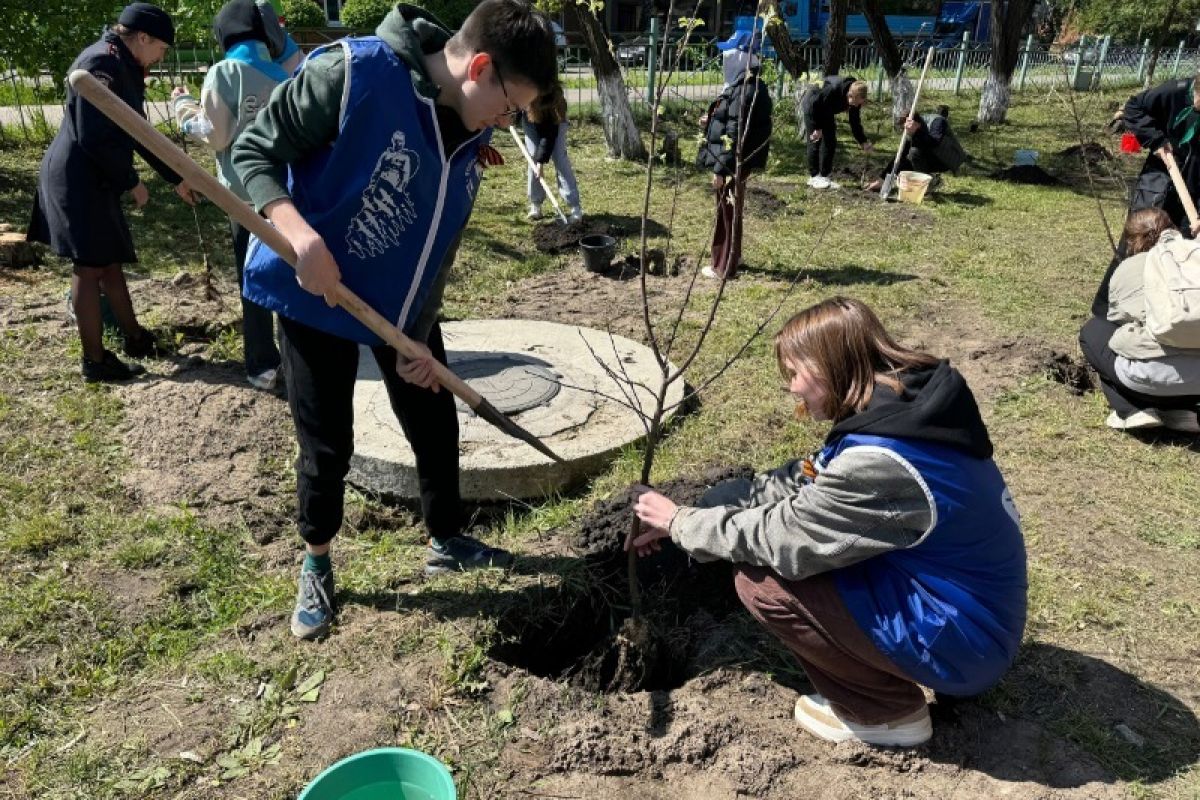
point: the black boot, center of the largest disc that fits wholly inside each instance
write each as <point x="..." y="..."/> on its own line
<point x="110" y="370"/>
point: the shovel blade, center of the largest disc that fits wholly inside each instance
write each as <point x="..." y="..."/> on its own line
<point x="886" y="189"/>
<point x="494" y="416"/>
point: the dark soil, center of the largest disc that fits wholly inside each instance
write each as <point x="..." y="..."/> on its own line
<point x="551" y="236"/>
<point x="764" y="203"/>
<point x="1026" y="173"/>
<point x="1092" y="152"/>
<point x="584" y="634"/>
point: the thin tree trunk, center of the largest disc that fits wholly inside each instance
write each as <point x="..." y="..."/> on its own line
<point x="835" y="36"/>
<point x="893" y="62"/>
<point x="1161" y="39"/>
<point x="1008" y="23"/>
<point x="620" y="130"/>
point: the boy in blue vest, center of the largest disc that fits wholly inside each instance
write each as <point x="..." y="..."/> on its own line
<point x="368" y="161"/>
<point x="890" y="561"/>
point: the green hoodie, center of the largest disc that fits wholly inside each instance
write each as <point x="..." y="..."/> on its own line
<point x="303" y="117"/>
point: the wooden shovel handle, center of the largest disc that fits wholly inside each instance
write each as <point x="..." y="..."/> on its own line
<point x="199" y="179"/>
<point x="1181" y="189"/>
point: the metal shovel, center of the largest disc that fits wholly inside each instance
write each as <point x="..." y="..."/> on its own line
<point x="890" y="180"/>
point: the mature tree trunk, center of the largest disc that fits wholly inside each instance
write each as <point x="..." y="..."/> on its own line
<point x="789" y="54"/>
<point x="835" y="36"/>
<point x="889" y="54"/>
<point x="620" y="130"/>
<point x="1160" y="40"/>
<point x="1008" y="23"/>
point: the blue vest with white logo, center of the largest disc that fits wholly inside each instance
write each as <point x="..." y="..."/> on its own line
<point x="387" y="203"/>
<point x="950" y="610"/>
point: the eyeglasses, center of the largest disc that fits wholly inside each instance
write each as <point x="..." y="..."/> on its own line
<point x="510" y="112"/>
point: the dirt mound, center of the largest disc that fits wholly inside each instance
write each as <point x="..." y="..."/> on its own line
<point x="1026" y="173"/>
<point x="1022" y="357"/>
<point x="204" y="437"/>
<point x="1092" y="152"/>
<point x="551" y="236"/>
<point x="764" y="203"/>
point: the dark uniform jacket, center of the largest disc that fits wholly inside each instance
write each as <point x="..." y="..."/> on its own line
<point x="739" y="121"/>
<point x="819" y="107"/>
<point x="89" y="165"/>
<point x="1157" y="116"/>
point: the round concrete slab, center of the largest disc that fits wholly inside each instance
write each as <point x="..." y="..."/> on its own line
<point x="546" y="377"/>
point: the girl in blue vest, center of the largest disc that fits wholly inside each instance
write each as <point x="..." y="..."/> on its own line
<point x="891" y="560"/>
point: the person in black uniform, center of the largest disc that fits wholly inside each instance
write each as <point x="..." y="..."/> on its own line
<point x="89" y="165"/>
<point x="819" y="108"/>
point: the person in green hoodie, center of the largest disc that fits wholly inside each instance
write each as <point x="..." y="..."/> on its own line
<point x="368" y="161"/>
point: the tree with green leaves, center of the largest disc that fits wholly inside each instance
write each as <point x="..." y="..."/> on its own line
<point x="47" y="35"/>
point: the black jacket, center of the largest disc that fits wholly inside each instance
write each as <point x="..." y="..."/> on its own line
<point x="935" y="406"/>
<point x="739" y="119"/>
<point x="934" y="148"/>
<point x="819" y="107"/>
<point x="544" y="136"/>
<point x="1151" y="117"/>
<point x="89" y="165"/>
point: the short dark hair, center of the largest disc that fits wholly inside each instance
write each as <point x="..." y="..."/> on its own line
<point x="519" y="39"/>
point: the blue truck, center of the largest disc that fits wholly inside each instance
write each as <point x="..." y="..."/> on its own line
<point x="806" y="19"/>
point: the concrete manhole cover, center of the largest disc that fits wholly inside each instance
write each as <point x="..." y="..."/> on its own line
<point x="511" y="383"/>
<point x="545" y="375"/>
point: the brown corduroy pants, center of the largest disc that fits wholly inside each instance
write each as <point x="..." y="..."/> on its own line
<point x="811" y="620"/>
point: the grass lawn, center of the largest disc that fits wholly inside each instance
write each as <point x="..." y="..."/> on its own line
<point x="149" y="557"/>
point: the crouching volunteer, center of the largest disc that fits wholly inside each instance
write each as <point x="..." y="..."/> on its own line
<point x="368" y="161"/>
<point x="891" y="560"/>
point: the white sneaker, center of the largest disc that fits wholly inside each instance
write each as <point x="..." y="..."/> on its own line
<point x="811" y="180"/>
<point x="815" y="715"/>
<point x="1180" y="419"/>
<point x="575" y="214"/>
<point x="831" y="184"/>
<point x="709" y="272"/>
<point x="535" y="211"/>
<point x="265" y="380"/>
<point x="817" y="182"/>
<point x="1138" y="420"/>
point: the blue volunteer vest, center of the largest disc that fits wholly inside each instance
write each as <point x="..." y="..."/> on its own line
<point x="387" y="203"/>
<point x="950" y="610"/>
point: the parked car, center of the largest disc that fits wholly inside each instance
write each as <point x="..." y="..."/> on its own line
<point x="632" y="52"/>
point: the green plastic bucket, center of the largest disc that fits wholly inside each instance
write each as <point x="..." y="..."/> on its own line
<point x="389" y="773"/>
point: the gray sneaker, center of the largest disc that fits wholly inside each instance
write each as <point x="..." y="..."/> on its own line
<point x="314" y="605"/>
<point x="462" y="553"/>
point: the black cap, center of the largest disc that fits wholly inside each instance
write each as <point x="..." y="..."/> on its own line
<point x="149" y="19"/>
<point x="249" y="20"/>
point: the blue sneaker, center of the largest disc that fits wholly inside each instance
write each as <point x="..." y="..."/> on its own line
<point x="314" y="605"/>
<point x="462" y="553"/>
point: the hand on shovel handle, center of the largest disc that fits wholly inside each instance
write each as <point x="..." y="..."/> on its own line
<point x="200" y="180"/>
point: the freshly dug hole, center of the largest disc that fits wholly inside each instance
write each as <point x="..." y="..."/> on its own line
<point x="582" y="632"/>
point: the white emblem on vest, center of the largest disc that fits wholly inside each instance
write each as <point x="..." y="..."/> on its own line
<point x="386" y="208"/>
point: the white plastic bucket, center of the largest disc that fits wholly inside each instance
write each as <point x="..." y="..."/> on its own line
<point x="912" y="186"/>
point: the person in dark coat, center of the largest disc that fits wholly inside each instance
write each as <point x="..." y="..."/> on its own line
<point x="737" y="137"/>
<point x="1164" y="119"/>
<point x="89" y="165"/>
<point x="819" y="108"/>
<point x="931" y="147"/>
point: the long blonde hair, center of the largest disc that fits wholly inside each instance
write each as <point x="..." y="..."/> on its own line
<point x="847" y="348"/>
